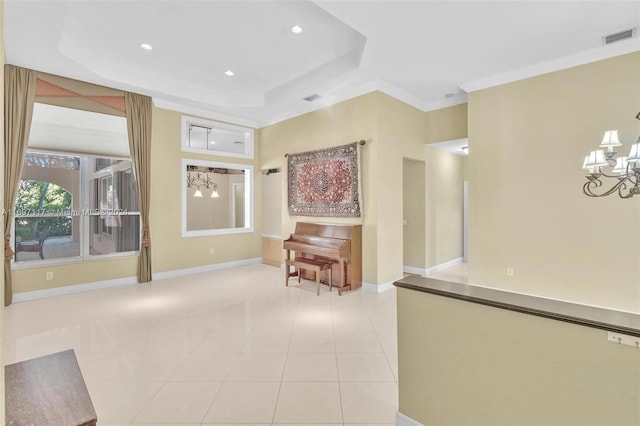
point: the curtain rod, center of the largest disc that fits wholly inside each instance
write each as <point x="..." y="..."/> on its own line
<point x="361" y="142"/>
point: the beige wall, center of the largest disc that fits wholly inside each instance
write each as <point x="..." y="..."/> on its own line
<point x="446" y="124"/>
<point x="444" y="204"/>
<point x="402" y="131"/>
<point x="413" y="212"/>
<point x="335" y="125"/>
<point x="462" y="363"/>
<point x="272" y="204"/>
<point x="394" y="131"/>
<point x="527" y="210"/>
<point x="2" y="201"/>
<point x="169" y="250"/>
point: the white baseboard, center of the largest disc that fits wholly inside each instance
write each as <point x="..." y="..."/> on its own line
<point x="377" y="288"/>
<point x="422" y="272"/>
<point x="412" y="270"/>
<point x="71" y="289"/>
<point x="442" y="266"/>
<point x="205" y="268"/>
<point x="272" y="237"/>
<point x="99" y="285"/>
<point x="404" y="420"/>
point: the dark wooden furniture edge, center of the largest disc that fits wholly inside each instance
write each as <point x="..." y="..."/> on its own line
<point x="48" y="390"/>
<point x="589" y="316"/>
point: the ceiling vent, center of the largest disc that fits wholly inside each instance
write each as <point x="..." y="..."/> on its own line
<point x="311" y="98"/>
<point x="622" y="35"/>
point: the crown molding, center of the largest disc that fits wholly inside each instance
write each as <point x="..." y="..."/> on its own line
<point x="399" y="94"/>
<point x="159" y="102"/>
<point x="363" y="89"/>
<point x="445" y="103"/>
<point x="323" y="102"/>
<point x="593" y="55"/>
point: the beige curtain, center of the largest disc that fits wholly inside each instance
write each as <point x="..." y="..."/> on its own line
<point x="138" y="109"/>
<point x="19" y="95"/>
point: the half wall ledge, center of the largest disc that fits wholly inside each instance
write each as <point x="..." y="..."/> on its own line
<point x="589" y="316"/>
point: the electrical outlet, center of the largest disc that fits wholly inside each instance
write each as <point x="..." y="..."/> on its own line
<point x="49" y="275"/>
<point x="212" y="251"/>
<point x="510" y="271"/>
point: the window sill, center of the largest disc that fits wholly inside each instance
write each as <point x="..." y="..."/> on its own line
<point x="33" y="264"/>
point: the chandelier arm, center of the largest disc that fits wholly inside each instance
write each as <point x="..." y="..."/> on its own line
<point x="589" y="186"/>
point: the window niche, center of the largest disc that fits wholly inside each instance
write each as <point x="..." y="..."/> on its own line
<point x="213" y="138"/>
<point x="217" y="198"/>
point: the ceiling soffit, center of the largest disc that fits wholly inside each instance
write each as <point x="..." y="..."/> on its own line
<point x="281" y="64"/>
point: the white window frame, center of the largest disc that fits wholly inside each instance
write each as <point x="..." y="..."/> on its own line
<point x="248" y="194"/>
<point x="247" y="132"/>
<point x="85" y="219"/>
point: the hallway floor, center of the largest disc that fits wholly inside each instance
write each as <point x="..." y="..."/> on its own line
<point x="233" y="346"/>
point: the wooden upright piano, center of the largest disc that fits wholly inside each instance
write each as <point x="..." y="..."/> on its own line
<point x="341" y="244"/>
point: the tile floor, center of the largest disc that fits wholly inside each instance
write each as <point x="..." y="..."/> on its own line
<point x="228" y="347"/>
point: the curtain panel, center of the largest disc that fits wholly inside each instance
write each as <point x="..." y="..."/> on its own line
<point x="138" y="110"/>
<point x="19" y="96"/>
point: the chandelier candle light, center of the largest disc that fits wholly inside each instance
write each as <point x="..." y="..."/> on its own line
<point x="603" y="166"/>
<point x="199" y="178"/>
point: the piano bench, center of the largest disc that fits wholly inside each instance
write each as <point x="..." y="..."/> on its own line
<point x="311" y="265"/>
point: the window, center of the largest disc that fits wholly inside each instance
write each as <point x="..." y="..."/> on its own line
<point x="73" y="206"/>
<point x="214" y="138"/>
<point x="217" y="198"/>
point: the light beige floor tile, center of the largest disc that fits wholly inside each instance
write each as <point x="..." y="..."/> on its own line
<point x="186" y="320"/>
<point x="308" y="402"/>
<point x="244" y="402"/>
<point x="175" y="341"/>
<point x="384" y="323"/>
<point x="357" y="342"/>
<point x="165" y="424"/>
<point x="352" y="322"/>
<point x="371" y="424"/>
<point x="389" y="342"/>
<point x="311" y="367"/>
<point x="393" y="363"/>
<point x="274" y="323"/>
<point x="119" y="402"/>
<point x="257" y="367"/>
<point x="205" y="367"/>
<point x="179" y="402"/>
<point x="364" y="368"/>
<point x="237" y="424"/>
<point x="151" y="366"/>
<point x="312" y="342"/>
<point x="267" y="342"/>
<point x="221" y="342"/>
<point x="369" y="402"/>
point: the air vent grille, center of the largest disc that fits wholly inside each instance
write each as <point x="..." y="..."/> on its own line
<point x="311" y="98"/>
<point x="622" y="35"/>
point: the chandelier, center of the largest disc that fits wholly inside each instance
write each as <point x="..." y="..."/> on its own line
<point x="609" y="174"/>
<point x="201" y="179"/>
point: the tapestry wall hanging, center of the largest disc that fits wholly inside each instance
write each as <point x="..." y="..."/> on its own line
<point x="325" y="182"/>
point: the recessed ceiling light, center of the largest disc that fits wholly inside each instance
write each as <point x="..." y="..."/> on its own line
<point x="212" y="142"/>
<point x="146" y="46"/>
<point x="228" y="73"/>
<point x="296" y="29"/>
